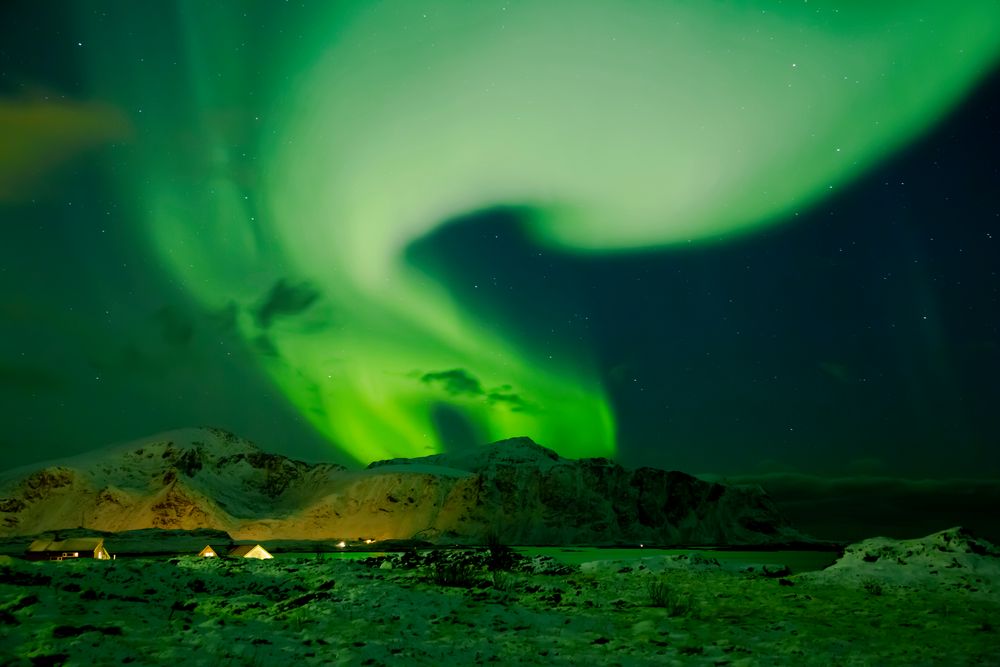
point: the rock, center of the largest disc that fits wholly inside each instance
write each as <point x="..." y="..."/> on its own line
<point x="950" y="559"/>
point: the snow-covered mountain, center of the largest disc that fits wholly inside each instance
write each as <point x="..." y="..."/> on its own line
<point x="189" y="478"/>
<point x="208" y="478"/>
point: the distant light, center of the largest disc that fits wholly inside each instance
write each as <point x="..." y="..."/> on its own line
<point x="341" y="544"/>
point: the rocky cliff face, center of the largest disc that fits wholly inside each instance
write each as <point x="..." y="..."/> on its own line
<point x="530" y="495"/>
<point x="206" y="478"/>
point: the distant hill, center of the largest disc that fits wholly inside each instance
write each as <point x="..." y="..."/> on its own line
<point x="209" y="478"/>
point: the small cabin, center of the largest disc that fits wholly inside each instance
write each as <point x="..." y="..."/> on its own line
<point x="76" y="547"/>
<point x="250" y="551"/>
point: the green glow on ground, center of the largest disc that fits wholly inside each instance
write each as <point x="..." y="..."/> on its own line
<point x="625" y="125"/>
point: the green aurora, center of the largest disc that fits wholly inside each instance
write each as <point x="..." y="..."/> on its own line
<point x="619" y="126"/>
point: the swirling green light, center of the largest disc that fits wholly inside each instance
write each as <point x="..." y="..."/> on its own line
<point x="624" y="125"/>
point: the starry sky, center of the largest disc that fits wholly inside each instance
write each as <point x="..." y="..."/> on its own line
<point x="754" y="240"/>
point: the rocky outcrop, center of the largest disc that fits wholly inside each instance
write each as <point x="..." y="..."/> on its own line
<point x="525" y="493"/>
<point x="176" y="509"/>
<point x="952" y="559"/>
<point x="530" y="495"/>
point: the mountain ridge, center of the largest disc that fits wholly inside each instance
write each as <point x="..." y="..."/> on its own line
<point x="527" y="493"/>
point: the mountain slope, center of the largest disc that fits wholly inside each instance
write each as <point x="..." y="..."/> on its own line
<point x="190" y="478"/>
<point x="208" y="478"/>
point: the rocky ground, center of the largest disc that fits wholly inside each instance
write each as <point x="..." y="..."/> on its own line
<point x="447" y="607"/>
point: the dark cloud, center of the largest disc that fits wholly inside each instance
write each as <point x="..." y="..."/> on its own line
<point x="513" y="401"/>
<point x="457" y="382"/>
<point x="860" y="506"/>
<point x="285" y="300"/>
<point x="460" y="382"/>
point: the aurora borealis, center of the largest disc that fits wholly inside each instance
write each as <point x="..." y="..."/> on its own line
<point x="618" y="129"/>
<point x="394" y="228"/>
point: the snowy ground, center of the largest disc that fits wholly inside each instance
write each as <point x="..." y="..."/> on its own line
<point x="399" y="611"/>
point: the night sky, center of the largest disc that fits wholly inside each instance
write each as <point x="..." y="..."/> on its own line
<point x="749" y="241"/>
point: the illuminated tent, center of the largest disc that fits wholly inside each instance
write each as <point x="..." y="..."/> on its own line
<point x="212" y="552"/>
<point x="250" y="551"/>
<point x="77" y="547"/>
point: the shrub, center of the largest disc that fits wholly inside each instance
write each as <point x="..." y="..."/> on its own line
<point x="500" y="557"/>
<point x="872" y="586"/>
<point x="456" y="575"/>
<point x="662" y="595"/>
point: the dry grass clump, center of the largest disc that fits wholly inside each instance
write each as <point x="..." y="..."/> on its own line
<point x="662" y="595"/>
<point x="503" y="581"/>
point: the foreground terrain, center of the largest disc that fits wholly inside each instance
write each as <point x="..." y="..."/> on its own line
<point x="930" y="601"/>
